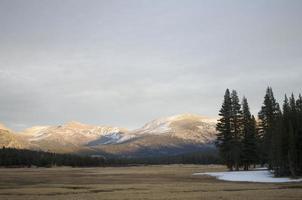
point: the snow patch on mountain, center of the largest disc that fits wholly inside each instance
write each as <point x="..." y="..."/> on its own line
<point x="73" y="133"/>
<point x="184" y="126"/>
<point x="158" y="126"/>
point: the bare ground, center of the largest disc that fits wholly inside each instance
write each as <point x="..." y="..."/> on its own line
<point x="145" y="182"/>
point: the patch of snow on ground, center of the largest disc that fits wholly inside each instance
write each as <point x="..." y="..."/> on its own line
<point x="261" y="176"/>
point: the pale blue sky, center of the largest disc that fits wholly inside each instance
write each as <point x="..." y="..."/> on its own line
<point x="127" y="62"/>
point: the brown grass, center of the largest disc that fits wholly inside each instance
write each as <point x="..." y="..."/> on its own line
<point x="146" y="182"/>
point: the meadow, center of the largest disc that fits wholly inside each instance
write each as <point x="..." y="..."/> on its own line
<point x="137" y="182"/>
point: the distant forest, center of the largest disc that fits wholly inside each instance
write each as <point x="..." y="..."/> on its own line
<point x="274" y="140"/>
<point x="11" y="157"/>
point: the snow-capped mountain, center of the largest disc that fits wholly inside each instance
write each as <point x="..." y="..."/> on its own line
<point x="174" y="134"/>
<point x="184" y="126"/>
<point x="70" y="137"/>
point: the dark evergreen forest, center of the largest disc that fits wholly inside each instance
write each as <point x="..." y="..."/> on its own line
<point x="274" y="140"/>
<point x="10" y="157"/>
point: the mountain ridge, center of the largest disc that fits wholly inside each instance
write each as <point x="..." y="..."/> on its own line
<point x="161" y="135"/>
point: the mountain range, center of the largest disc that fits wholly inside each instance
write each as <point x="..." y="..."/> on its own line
<point x="172" y="135"/>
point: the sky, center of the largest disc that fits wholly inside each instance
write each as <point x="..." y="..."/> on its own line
<point x="126" y="62"/>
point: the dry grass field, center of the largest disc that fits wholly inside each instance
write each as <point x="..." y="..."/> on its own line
<point x="145" y="182"/>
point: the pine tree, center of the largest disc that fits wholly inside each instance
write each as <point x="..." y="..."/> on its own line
<point x="223" y="127"/>
<point x="299" y="135"/>
<point x="293" y="137"/>
<point x="236" y="122"/>
<point x="249" y="147"/>
<point x="268" y="119"/>
<point x="284" y="143"/>
<point x="254" y="137"/>
<point x="275" y="157"/>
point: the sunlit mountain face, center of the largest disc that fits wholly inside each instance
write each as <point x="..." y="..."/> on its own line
<point x="164" y="136"/>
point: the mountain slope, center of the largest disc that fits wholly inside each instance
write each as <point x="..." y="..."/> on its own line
<point x="185" y="126"/>
<point x="9" y="139"/>
<point x="68" y="138"/>
<point x="165" y="136"/>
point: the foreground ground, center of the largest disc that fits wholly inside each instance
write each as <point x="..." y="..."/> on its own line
<point x="147" y="182"/>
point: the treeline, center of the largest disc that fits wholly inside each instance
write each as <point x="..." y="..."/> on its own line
<point x="275" y="139"/>
<point x="10" y="157"/>
<point x="205" y="157"/>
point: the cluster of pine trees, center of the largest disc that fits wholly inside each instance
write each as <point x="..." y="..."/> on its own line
<point x="281" y="134"/>
<point x="236" y="137"/>
<point x="275" y="139"/>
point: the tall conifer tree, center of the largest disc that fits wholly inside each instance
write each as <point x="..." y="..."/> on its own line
<point x="268" y="116"/>
<point x="284" y="143"/>
<point x="236" y="129"/>
<point x="299" y="134"/>
<point x="224" y="131"/>
<point x="293" y="137"/>
<point x="249" y="147"/>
